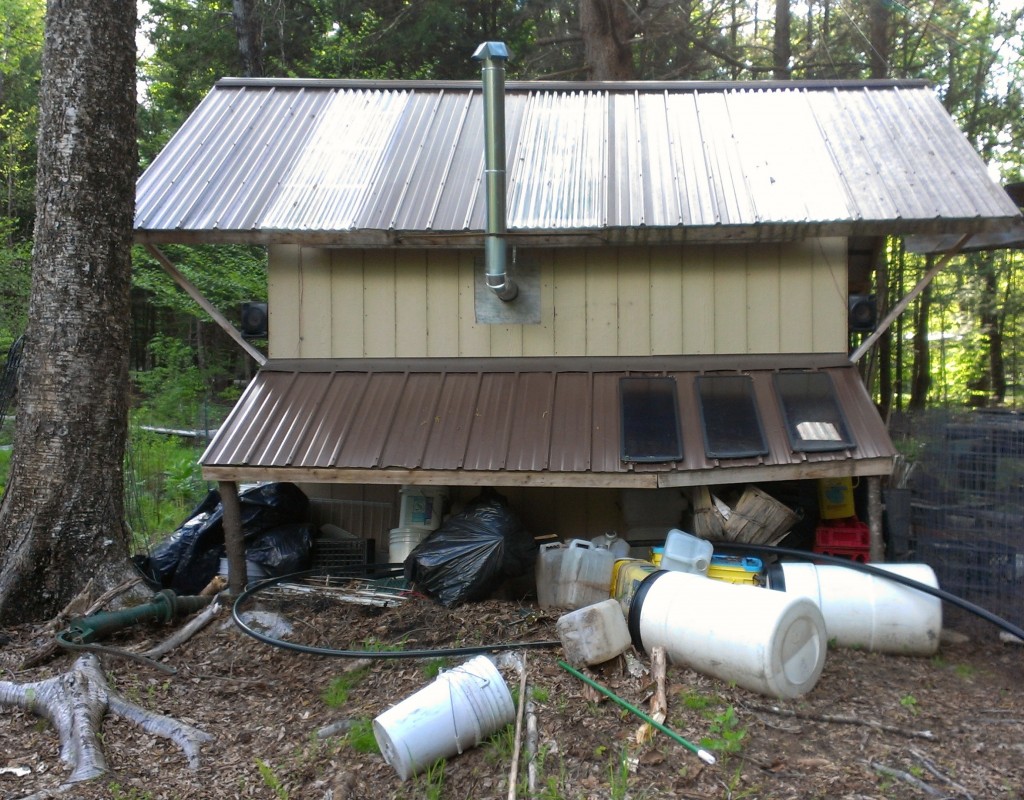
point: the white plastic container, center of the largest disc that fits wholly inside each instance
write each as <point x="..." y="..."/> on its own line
<point x="868" y="611"/>
<point x="685" y="552"/>
<point x="460" y="709"/>
<point x="547" y="574"/>
<point x="772" y="643"/>
<point x="593" y="634"/>
<point x="402" y="541"/>
<point x="421" y="506"/>
<point x="610" y="540"/>
<point x="585" y="575"/>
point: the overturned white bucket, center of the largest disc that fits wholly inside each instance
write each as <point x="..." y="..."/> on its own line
<point x="768" y="642"/>
<point x="868" y="611"/>
<point x="461" y="708"/>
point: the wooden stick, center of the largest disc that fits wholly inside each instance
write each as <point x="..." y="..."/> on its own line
<point x="659" y="700"/>
<point x="917" y="783"/>
<point x="843" y="720"/>
<point x="514" y="769"/>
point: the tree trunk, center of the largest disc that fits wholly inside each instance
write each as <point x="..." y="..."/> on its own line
<point x="782" y="47"/>
<point x="249" y="32"/>
<point x="990" y="324"/>
<point x="922" y="377"/>
<point x="881" y="41"/>
<point x="606" y="30"/>
<point x="62" y="518"/>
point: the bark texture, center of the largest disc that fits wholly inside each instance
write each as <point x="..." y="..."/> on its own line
<point x="607" y="29"/>
<point x="61" y="521"/>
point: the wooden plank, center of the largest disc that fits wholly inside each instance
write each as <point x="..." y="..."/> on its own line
<point x="570" y="302"/>
<point x="666" y="300"/>
<point x="347" y="304"/>
<point x="730" y="300"/>
<point x="539" y="339"/>
<point x="830" y="333"/>
<point x="442" y="305"/>
<point x="796" y="290"/>
<point x="602" y="302"/>
<point x="379" y="320"/>
<point x="698" y="294"/>
<point x="474" y="339"/>
<point x="314" y="310"/>
<point x="647" y="480"/>
<point x="634" y="301"/>
<point x="283" y="300"/>
<point x="410" y="303"/>
<point x="764" y="311"/>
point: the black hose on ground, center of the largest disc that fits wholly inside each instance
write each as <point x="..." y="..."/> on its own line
<point x="442" y="652"/>
<point x="803" y="555"/>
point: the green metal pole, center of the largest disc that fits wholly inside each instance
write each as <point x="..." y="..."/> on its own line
<point x="700" y="752"/>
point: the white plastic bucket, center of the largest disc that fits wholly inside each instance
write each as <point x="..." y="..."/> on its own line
<point x="768" y="642"/>
<point x="402" y="541"/>
<point x="867" y="611"/>
<point x="461" y="708"/>
<point x="421" y="506"/>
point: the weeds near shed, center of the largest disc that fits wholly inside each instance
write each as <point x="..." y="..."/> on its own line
<point x="270" y="778"/>
<point x="336" y="693"/>
<point x="360" y="736"/>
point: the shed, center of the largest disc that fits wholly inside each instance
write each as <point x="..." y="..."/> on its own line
<point x="685" y="254"/>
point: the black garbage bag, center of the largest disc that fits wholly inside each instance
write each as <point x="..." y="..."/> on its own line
<point x="281" y="550"/>
<point x="472" y="552"/>
<point x="190" y="557"/>
<point x="159" y="566"/>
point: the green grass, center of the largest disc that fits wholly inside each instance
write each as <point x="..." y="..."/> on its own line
<point x="337" y="691"/>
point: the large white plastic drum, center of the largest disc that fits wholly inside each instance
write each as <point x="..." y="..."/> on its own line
<point x="868" y="611"/>
<point x="772" y="643"/>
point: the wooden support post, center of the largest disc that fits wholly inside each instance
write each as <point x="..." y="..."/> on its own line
<point x="877" y="549"/>
<point x="234" y="544"/>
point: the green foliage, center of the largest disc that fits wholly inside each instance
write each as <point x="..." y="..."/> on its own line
<point x="336" y="693"/>
<point x="434" y="666"/>
<point x="173" y="389"/>
<point x="725" y="733"/>
<point x="15" y="283"/>
<point x="270" y="778"/>
<point x="227" y="275"/>
<point x="360" y="736"/>
<point x="163" y="483"/>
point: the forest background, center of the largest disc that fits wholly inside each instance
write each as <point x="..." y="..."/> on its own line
<point x="959" y="344"/>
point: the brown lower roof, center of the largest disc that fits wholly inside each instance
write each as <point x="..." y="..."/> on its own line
<point x="513" y="421"/>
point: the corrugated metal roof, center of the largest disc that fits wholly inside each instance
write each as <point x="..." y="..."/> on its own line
<point x="377" y="163"/>
<point x="539" y="421"/>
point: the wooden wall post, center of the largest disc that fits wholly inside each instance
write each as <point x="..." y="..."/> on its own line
<point x="234" y="544"/>
<point x="877" y="550"/>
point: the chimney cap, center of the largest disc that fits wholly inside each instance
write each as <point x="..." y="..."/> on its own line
<point x="491" y="50"/>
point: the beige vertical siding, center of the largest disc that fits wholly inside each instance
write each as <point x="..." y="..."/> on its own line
<point x="764" y="298"/>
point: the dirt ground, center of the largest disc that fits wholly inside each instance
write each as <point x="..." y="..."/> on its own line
<point x="875" y="726"/>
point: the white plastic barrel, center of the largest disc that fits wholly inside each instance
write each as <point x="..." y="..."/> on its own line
<point x="460" y="709"/>
<point x="547" y="573"/>
<point x="768" y="642"/>
<point x="867" y="611"/>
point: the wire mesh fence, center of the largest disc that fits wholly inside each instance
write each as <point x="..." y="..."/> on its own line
<point x="964" y="480"/>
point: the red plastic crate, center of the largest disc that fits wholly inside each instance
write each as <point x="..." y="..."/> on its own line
<point x="861" y="554"/>
<point x="843" y="533"/>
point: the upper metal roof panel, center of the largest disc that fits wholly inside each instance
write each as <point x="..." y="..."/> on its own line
<point x="366" y="163"/>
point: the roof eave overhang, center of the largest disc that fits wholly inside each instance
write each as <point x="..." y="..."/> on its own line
<point x="580" y="480"/>
<point x="584" y="237"/>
